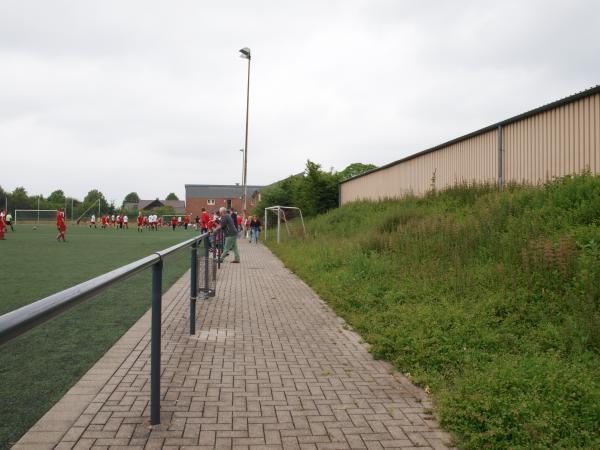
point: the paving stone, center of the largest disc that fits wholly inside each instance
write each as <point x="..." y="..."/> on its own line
<point x="270" y="366"/>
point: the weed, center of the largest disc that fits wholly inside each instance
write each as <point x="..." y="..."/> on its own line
<point x="489" y="298"/>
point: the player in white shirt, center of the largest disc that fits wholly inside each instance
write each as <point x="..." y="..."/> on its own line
<point x="93" y="221"/>
<point x="126" y="221"/>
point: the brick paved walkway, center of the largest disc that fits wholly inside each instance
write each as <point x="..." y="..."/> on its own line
<point x="271" y="366"/>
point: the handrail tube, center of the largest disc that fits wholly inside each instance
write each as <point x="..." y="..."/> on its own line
<point x="174" y="248"/>
<point x="17" y="322"/>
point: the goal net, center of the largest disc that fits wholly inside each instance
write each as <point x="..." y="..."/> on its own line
<point x="35" y="216"/>
<point x="287" y="221"/>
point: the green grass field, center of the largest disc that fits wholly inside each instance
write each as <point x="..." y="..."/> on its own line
<point x="38" y="368"/>
<point x="489" y="298"/>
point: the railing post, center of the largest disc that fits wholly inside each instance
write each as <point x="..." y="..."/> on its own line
<point x="206" y="271"/>
<point x="193" y="287"/>
<point x="218" y="249"/>
<point x="155" y="345"/>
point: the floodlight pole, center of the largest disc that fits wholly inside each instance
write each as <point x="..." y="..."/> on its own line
<point x="245" y="53"/>
<point x="243" y="165"/>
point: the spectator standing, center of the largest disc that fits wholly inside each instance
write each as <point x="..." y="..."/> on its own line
<point x="247" y="228"/>
<point x="230" y="231"/>
<point x="240" y="221"/>
<point x="254" y="229"/>
<point x="234" y="216"/>
<point x="204" y="221"/>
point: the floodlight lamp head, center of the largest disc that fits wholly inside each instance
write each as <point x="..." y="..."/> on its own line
<point x="245" y="53"/>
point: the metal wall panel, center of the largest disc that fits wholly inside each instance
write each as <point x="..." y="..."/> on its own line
<point x="474" y="160"/>
<point x="553" y="143"/>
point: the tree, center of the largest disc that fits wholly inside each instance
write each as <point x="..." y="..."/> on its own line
<point x="91" y="197"/>
<point x="319" y="190"/>
<point x="172" y="196"/>
<point x="20" y="199"/>
<point x="132" y="197"/>
<point x="57" y="197"/>
<point x="315" y="191"/>
<point x="162" y="211"/>
<point x="3" y="197"/>
<point x="355" y="169"/>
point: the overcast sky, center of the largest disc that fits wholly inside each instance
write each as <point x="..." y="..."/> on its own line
<point x="148" y="95"/>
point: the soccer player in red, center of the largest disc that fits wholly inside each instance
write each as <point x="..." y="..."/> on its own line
<point x="61" y="225"/>
<point x="2" y="225"/>
<point x="174" y="222"/>
<point x="186" y="221"/>
<point x="140" y="222"/>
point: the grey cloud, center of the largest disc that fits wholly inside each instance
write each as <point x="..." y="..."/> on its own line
<point x="151" y="87"/>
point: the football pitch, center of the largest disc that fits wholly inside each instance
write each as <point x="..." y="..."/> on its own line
<point x="38" y="368"/>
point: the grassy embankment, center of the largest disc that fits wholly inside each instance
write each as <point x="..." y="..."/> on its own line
<point x="38" y="368"/>
<point x="491" y="299"/>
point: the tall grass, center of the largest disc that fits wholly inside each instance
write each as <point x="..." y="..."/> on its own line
<point x="490" y="298"/>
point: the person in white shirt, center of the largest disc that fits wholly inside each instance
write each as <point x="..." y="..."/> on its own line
<point x="93" y="221"/>
<point x="126" y="221"/>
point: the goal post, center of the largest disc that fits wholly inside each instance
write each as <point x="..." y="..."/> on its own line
<point x="280" y="211"/>
<point x="96" y="203"/>
<point x="36" y="216"/>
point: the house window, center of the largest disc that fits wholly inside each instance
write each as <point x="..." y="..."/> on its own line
<point x="210" y="201"/>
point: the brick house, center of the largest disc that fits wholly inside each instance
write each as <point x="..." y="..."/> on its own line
<point x="145" y="205"/>
<point x="213" y="196"/>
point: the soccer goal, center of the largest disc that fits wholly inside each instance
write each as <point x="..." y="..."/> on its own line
<point x="285" y="214"/>
<point x="36" y="216"/>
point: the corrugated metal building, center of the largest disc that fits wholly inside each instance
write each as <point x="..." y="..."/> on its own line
<point x="554" y="140"/>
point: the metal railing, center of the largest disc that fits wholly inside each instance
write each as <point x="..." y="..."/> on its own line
<point x="19" y="321"/>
